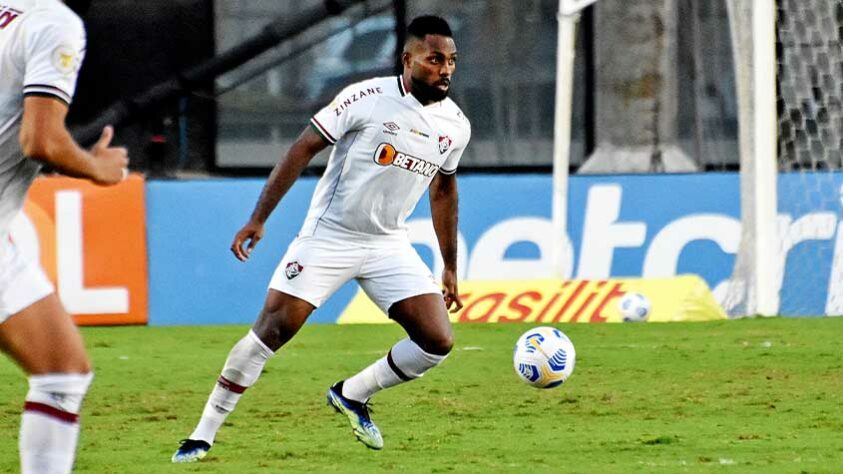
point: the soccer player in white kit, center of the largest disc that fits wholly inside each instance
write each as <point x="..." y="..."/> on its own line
<point x="393" y="138"/>
<point x="42" y="43"/>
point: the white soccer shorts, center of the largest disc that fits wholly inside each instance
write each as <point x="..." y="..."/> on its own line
<point x="22" y="282"/>
<point x="390" y="271"/>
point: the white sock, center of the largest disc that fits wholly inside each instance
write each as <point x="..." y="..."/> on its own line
<point x="50" y="422"/>
<point x="242" y="369"/>
<point x="404" y="362"/>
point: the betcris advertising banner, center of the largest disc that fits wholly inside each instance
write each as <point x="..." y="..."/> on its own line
<point x="631" y="226"/>
<point x="91" y="243"/>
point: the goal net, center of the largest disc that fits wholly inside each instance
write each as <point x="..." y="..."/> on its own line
<point x="785" y="71"/>
<point x="806" y="268"/>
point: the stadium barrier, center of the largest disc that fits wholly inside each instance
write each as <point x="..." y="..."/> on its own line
<point x="650" y="226"/>
<point x="682" y="298"/>
<point x="91" y="242"/>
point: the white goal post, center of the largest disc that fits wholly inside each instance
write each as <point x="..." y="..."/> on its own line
<point x="753" y="288"/>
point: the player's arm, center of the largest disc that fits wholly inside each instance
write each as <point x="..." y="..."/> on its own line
<point x="283" y="175"/>
<point x="443" y="208"/>
<point x="44" y="137"/>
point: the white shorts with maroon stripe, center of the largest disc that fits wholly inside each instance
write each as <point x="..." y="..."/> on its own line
<point x="22" y="281"/>
<point x="389" y="271"/>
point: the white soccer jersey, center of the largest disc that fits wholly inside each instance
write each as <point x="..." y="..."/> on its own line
<point x="387" y="148"/>
<point x="42" y="43"/>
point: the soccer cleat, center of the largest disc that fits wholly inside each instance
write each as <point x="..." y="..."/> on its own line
<point x="358" y="416"/>
<point x="191" y="450"/>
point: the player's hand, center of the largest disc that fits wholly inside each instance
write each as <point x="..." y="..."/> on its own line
<point x="251" y="232"/>
<point x="111" y="163"/>
<point x="450" y="293"/>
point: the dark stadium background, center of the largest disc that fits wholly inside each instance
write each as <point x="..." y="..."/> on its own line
<point x="133" y="45"/>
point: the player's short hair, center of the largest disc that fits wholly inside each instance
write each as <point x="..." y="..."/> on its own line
<point x="422" y="26"/>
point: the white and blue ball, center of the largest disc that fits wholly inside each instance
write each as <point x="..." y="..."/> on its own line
<point x="544" y="357"/>
<point x="634" y="307"/>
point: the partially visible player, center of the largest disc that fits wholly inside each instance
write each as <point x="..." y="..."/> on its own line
<point x="393" y="137"/>
<point x="42" y="43"/>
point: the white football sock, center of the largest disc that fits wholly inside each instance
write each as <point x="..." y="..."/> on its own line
<point x="404" y="362"/>
<point x="50" y="422"/>
<point x="242" y="369"/>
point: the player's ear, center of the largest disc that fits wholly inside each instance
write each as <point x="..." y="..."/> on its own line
<point x="406" y="58"/>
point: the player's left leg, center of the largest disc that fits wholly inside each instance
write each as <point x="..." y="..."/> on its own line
<point x="425" y="319"/>
<point x="397" y="280"/>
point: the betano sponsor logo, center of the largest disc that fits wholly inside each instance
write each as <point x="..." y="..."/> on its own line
<point x="387" y="155"/>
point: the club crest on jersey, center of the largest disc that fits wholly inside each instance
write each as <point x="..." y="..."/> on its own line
<point x="387" y="155"/>
<point x="444" y="143"/>
<point x="293" y="270"/>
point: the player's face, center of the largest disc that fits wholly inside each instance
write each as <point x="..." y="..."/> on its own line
<point x="431" y="64"/>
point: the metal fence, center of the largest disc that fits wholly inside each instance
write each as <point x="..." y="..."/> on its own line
<point x="504" y="82"/>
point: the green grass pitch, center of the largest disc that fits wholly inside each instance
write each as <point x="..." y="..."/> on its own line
<point x="730" y="396"/>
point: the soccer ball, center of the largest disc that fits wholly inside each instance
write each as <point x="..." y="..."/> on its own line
<point x="544" y="357"/>
<point x="634" y="307"/>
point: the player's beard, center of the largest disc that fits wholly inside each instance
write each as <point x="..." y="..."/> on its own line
<point x="78" y="6"/>
<point x="427" y="93"/>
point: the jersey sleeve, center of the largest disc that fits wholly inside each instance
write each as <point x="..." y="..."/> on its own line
<point x="349" y="111"/>
<point x="54" y="49"/>
<point x="450" y="165"/>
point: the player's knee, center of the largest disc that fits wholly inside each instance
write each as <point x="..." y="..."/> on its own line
<point x="274" y="328"/>
<point x="82" y="365"/>
<point x="63" y="392"/>
<point x="273" y="335"/>
<point x="279" y="321"/>
<point x="440" y="344"/>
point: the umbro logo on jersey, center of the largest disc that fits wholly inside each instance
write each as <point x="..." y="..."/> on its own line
<point x="391" y="128"/>
<point x="444" y="143"/>
<point x="387" y="155"/>
<point x="293" y="270"/>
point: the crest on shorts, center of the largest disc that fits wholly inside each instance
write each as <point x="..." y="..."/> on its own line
<point x="444" y="143"/>
<point x="293" y="269"/>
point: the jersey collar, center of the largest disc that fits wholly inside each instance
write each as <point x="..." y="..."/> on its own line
<point x="408" y="96"/>
<point x="401" y="88"/>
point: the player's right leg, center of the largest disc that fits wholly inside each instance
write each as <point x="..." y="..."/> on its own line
<point x="280" y="319"/>
<point x="45" y="342"/>
<point x="40" y="336"/>
<point x="310" y="272"/>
